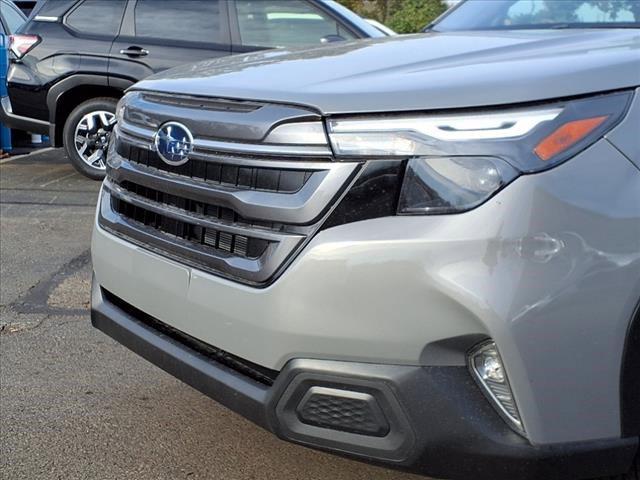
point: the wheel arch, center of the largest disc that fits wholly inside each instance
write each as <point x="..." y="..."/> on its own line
<point x="70" y="92"/>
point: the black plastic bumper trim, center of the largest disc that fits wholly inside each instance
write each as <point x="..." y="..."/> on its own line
<point x="442" y="424"/>
<point x="18" y="122"/>
<point x="630" y="379"/>
<point x="226" y="386"/>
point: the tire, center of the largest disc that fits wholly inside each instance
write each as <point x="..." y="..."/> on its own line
<point x="86" y="135"/>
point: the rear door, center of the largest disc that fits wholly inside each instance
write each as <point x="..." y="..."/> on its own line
<point x="160" y="34"/>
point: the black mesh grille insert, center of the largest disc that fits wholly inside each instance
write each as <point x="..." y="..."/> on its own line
<point x="249" y="178"/>
<point x="343" y="410"/>
<point x="220" y="241"/>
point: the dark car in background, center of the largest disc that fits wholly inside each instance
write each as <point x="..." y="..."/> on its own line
<point x="74" y="58"/>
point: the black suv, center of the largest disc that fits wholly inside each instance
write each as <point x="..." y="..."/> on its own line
<point x="74" y="58"/>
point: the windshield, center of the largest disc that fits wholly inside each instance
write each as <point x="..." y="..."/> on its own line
<point x="540" y="14"/>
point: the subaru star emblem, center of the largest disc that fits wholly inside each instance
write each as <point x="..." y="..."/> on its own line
<point x="174" y="143"/>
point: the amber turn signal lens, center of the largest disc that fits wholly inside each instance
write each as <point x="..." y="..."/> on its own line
<point x="566" y="136"/>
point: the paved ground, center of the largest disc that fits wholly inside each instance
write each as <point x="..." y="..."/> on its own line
<point x="76" y="405"/>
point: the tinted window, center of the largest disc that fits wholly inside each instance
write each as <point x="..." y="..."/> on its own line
<point x="12" y="17"/>
<point x="98" y="17"/>
<point x="513" y="14"/>
<point x="284" y="23"/>
<point x="190" y="21"/>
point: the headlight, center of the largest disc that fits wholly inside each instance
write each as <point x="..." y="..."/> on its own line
<point x="451" y="184"/>
<point x="457" y="161"/>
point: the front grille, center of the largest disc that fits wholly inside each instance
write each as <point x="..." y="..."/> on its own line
<point x="214" y="212"/>
<point x="230" y="175"/>
<point x="242" y="214"/>
<point x="210" y="238"/>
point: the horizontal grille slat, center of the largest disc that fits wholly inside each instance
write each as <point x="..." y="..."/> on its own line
<point x="251" y="178"/>
<point x="216" y="212"/>
<point x="223" y="241"/>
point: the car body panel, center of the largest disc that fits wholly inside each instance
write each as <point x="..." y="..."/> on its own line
<point x="510" y="274"/>
<point x="548" y="268"/>
<point x="625" y="136"/>
<point x="423" y="72"/>
<point x="50" y="62"/>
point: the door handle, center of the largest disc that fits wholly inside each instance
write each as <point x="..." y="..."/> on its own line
<point x="134" y="52"/>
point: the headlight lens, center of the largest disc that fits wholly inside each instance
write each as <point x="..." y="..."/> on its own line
<point x="451" y="184"/>
<point x="456" y="162"/>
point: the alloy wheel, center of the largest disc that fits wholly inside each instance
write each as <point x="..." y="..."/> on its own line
<point x="92" y="137"/>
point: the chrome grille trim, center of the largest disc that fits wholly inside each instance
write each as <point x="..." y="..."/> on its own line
<point x="299" y="208"/>
<point x="202" y="146"/>
<point x="132" y="139"/>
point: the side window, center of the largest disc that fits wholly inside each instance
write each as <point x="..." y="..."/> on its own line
<point x="285" y="23"/>
<point x="179" y="20"/>
<point x="12" y="17"/>
<point x="97" y="17"/>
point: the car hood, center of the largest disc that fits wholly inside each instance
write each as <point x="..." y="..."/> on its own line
<point x="419" y="72"/>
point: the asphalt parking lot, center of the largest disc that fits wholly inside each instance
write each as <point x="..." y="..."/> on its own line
<point x="76" y="405"/>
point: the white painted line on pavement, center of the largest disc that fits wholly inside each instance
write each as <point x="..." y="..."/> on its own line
<point x="18" y="157"/>
<point x="56" y="180"/>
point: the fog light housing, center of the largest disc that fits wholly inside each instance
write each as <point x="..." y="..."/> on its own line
<point x="488" y="370"/>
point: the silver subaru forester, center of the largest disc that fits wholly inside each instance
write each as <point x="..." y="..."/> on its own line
<point x="421" y="251"/>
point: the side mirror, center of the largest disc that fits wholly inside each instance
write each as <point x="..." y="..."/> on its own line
<point x="332" y="38"/>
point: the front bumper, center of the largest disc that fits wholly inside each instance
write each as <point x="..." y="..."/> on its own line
<point x="546" y="267"/>
<point x="429" y="420"/>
